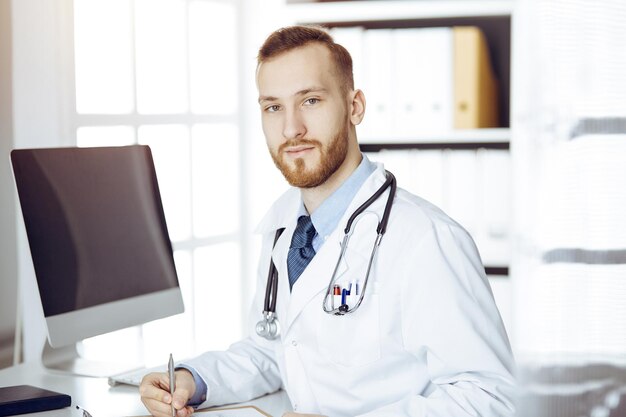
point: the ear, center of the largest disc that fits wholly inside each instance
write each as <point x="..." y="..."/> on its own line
<point x="357" y="106"/>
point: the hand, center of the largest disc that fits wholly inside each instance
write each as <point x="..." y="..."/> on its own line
<point x="301" y="415"/>
<point x="155" y="393"/>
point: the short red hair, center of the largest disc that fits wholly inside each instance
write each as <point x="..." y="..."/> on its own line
<point x="292" y="37"/>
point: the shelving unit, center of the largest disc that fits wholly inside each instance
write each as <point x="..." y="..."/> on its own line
<point x="493" y="17"/>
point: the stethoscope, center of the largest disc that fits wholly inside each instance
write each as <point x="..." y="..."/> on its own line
<point x="268" y="327"/>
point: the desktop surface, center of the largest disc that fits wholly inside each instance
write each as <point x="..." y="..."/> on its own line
<point x="101" y="400"/>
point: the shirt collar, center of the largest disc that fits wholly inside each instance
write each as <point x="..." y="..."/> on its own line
<point x="326" y="217"/>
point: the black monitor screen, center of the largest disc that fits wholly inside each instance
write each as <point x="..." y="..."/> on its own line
<point x="95" y="225"/>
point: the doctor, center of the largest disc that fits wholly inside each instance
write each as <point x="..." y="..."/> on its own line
<point x="427" y="339"/>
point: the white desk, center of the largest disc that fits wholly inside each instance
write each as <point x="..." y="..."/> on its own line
<point x="101" y="400"/>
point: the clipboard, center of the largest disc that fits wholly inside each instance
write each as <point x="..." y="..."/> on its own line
<point x="237" y="411"/>
<point x="241" y="411"/>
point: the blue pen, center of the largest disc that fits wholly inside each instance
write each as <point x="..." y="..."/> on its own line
<point x="343" y="296"/>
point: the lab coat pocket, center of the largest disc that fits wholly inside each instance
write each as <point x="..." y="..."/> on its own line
<point x="351" y="340"/>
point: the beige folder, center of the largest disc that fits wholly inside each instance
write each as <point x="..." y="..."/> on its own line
<point x="475" y="84"/>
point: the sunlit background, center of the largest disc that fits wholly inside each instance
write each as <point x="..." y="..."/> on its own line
<point x="164" y="74"/>
<point x="543" y="193"/>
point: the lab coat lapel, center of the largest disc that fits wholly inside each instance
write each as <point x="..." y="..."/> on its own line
<point x="281" y="215"/>
<point x="317" y="275"/>
<point x="279" y="256"/>
<point x="314" y="278"/>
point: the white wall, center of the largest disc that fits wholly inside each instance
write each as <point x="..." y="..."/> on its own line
<point x="8" y="251"/>
<point x="32" y="114"/>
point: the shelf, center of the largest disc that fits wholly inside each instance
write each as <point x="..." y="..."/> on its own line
<point x="346" y="11"/>
<point x="497" y="138"/>
<point x="492" y="17"/>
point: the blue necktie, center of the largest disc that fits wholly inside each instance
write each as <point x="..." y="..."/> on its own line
<point x="301" y="250"/>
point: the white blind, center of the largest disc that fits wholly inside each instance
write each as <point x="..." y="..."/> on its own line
<point x="569" y="150"/>
<point x="569" y="245"/>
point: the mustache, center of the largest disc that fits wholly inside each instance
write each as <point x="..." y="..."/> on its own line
<point x="299" y="142"/>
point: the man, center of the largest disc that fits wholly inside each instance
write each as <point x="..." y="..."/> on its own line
<point x="427" y="339"/>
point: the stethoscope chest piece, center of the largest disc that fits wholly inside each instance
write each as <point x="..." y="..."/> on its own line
<point x="268" y="327"/>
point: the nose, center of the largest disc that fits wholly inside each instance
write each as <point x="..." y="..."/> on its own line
<point x="294" y="126"/>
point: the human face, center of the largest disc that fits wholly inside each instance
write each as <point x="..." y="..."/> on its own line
<point x="304" y="114"/>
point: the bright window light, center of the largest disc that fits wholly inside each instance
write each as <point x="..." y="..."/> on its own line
<point x="91" y="136"/>
<point x="103" y="56"/>
<point x="213" y="59"/>
<point x="161" y="56"/>
<point x="215" y="201"/>
<point x="172" y="334"/>
<point x="218" y="295"/>
<point x="170" y="151"/>
<point x="156" y="72"/>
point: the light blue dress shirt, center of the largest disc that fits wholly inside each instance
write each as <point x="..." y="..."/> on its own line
<point x="325" y="219"/>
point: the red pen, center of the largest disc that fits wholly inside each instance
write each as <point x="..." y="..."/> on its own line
<point x="336" y="300"/>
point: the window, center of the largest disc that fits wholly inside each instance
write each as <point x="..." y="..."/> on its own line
<point x="164" y="73"/>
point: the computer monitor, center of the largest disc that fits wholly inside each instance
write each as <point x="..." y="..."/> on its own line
<point x="99" y="244"/>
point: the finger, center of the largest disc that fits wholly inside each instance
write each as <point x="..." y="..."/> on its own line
<point x="180" y="398"/>
<point x="158" y="408"/>
<point x="155" y="378"/>
<point x="150" y="392"/>
<point x="185" y="412"/>
<point x="185" y="388"/>
<point x="155" y="386"/>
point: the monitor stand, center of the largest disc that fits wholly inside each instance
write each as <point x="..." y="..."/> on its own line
<point x="67" y="359"/>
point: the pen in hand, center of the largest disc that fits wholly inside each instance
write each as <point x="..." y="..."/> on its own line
<point x="170" y="369"/>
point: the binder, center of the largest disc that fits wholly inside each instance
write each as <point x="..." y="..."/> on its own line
<point x="397" y="162"/>
<point x="378" y="87"/>
<point x="429" y="175"/>
<point x="424" y="73"/>
<point x="25" y="399"/>
<point x="475" y="84"/>
<point x="494" y="180"/>
<point x="351" y="38"/>
<point x="462" y="187"/>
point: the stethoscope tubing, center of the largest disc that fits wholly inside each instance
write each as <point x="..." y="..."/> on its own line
<point x="271" y="290"/>
<point x="339" y="311"/>
<point x="390" y="182"/>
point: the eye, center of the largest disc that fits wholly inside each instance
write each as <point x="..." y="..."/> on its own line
<point x="273" y="108"/>
<point x="311" y="101"/>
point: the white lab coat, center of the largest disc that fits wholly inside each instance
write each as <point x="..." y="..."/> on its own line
<point x="427" y="340"/>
